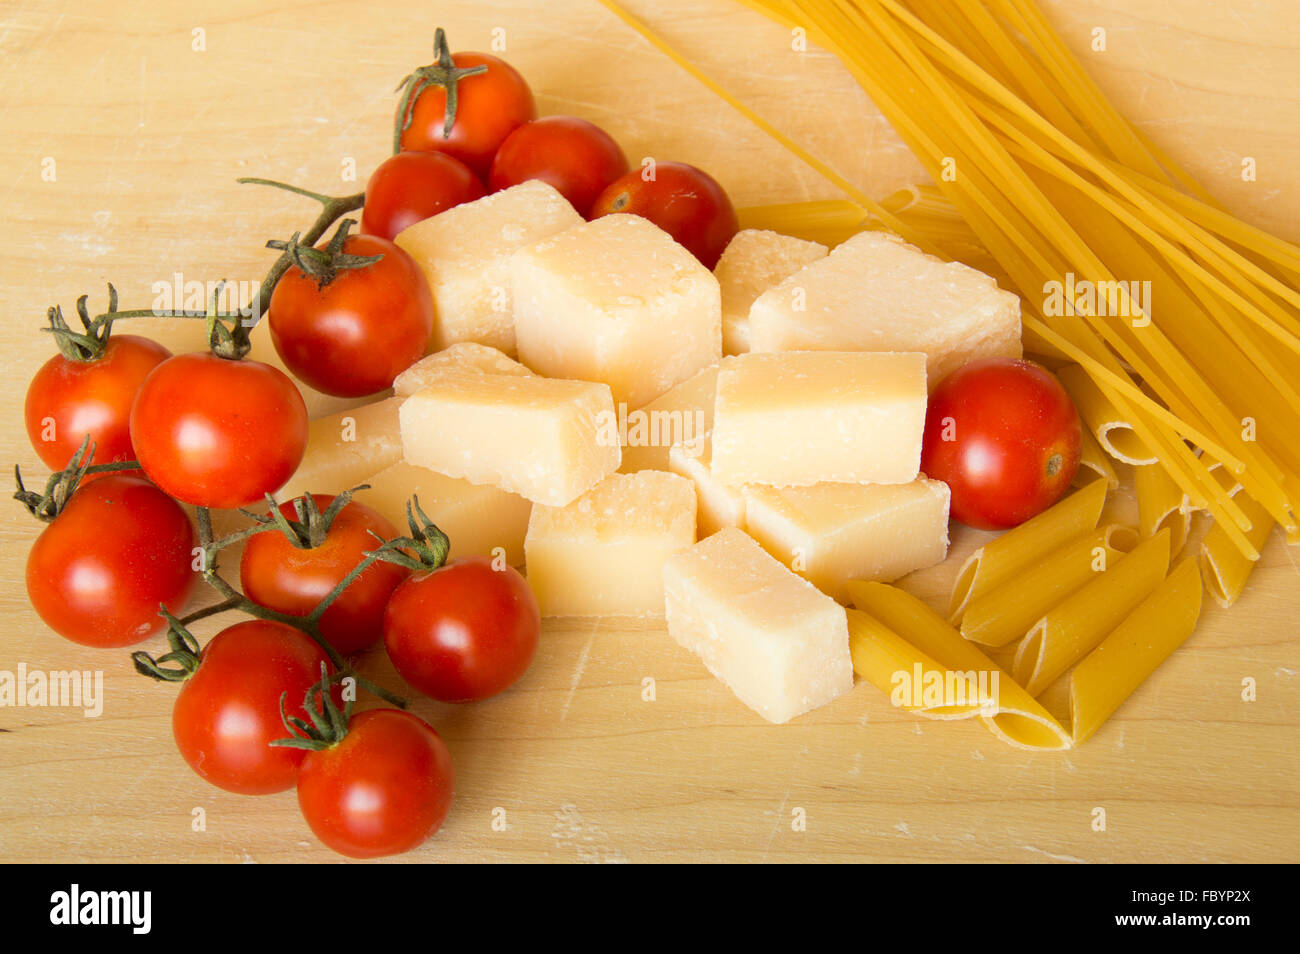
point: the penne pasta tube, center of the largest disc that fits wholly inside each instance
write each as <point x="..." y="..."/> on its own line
<point x="887" y="661"/>
<point x="1223" y="567"/>
<point x="1008" y="555"/>
<point x="1111" y="672"/>
<point x="1114" y="433"/>
<point x="1075" y="626"/>
<point x="1161" y="505"/>
<point x="1226" y="478"/>
<point x="1014" y="716"/>
<point x="1010" y="611"/>
<point x="1094" y="463"/>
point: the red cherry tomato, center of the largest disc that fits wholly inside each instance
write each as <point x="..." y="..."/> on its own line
<point x="228" y="711"/>
<point x="218" y="433"/>
<point x="119" y="548"/>
<point x="462" y="632"/>
<point x="384" y="789"/>
<point x="280" y="576"/>
<point x="1005" y="437"/>
<point x="685" y="202"/>
<point x="354" y="335"/>
<point x="489" y="106"/>
<point x="69" y="399"/>
<point x="412" y="186"/>
<point x="578" y="158"/>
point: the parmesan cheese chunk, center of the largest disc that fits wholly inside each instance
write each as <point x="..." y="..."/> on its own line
<point x="797" y="418"/>
<point x="754" y="261"/>
<point x="604" y="554"/>
<point x="477" y="519"/>
<point x="832" y="533"/>
<point x="616" y="300"/>
<point x="346" y="448"/>
<point x="681" y="415"/>
<point x="541" y="438"/>
<point x="465" y="251"/>
<point x="718" y="504"/>
<point x="777" y="643"/>
<point x="464" y="355"/>
<point x="877" y="293"/>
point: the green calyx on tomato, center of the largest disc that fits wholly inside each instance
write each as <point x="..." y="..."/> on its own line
<point x="62" y="484"/>
<point x="329" y="723"/>
<point x="442" y="72"/>
<point x="83" y="346"/>
<point x="324" y="264"/>
<point x="185" y="653"/>
<point x="428" y="544"/>
<point x="312" y="526"/>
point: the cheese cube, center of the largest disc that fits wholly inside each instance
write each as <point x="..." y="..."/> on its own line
<point x="797" y="418"/>
<point x="832" y="533"/>
<point x="604" y="554"/>
<point x="546" y="439"/>
<point x="877" y="293"/>
<point x="346" y="448"/>
<point x="478" y="519"/>
<point x="777" y="643"/>
<point x="464" y="253"/>
<point x="718" y="505"/>
<point x="464" y="355"/>
<point x="616" y="300"/>
<point x="754" y="261"/>
<point x="681" y="415"/>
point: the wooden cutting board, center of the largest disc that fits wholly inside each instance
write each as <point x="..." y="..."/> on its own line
<point x="125" y="129"/>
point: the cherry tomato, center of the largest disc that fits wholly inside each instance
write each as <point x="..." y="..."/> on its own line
<point x="354" y="335"/>
<point x="384" y="789"/>
<point x="69" y="399"/>
<point x="462" y="632"/>
<point x="578" y="158"/>
<point x="1005" y="437"/>
<point x="218" y="433"/>
<point x="280" y="576"/>
<point x="119" y="548"/>
<point x="488" y="107"/>
<point x="412" y="186"/>
<point x="228" y="711"/>
<point x="685" y="202"/>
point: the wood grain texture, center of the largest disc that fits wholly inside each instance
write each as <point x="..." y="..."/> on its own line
<point x="147" y="135"/>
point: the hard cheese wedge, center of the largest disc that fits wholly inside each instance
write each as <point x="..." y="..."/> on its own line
<point x="833" y="533"/>
<point x="798" y="418"/>
<point x="542" y="438"/>
<point x="478" y="519"/>
<point x="681" y="415"/>
<point x="604" y="554"/>
<point x="754" y="261"/>
<point x="616" y="300"/>
<point x="462" y="356"/>
<point x="877" y="293"/>
<point x="778" y="644"/>
<point x="718" y="505"/>
<point x="346" y="448"/>
<point x="464" y="253"/>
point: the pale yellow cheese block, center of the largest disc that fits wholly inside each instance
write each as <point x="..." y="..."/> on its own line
<point x="464" y="355"/>
<point x="681" y="415"/>
<point x="604" y="553"/>
<point x="616" y="300"/>
<point x="718" y="505"/>
<point x="754" y="261"/>
<point x="877" y="293"/>
<point x="832" y="533"/>
<point x="796" y="418"/>
<point x="346" y="448"/>
<point x="478" y="519"/>
<point x="778" y="644"/>
<point x="464" y="253"/>
<point x="546" y="439"/>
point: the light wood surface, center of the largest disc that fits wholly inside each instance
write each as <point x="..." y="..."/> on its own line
<point x="147" y="136"/>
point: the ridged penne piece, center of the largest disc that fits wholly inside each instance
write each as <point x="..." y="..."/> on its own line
<point x="1075" y="626"/>
<point x="1111" y="672"/>
<point x="1161" y="505"/>
<point x="1011" y="610"/>
<point x="1114" y="433"/>
<point x="1024" y="546"/>
<point x="1223" y="567"/>
<point x="879" y="655"/>
<point x="1094" y="463"/>
<point x="1015" y="716"/>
